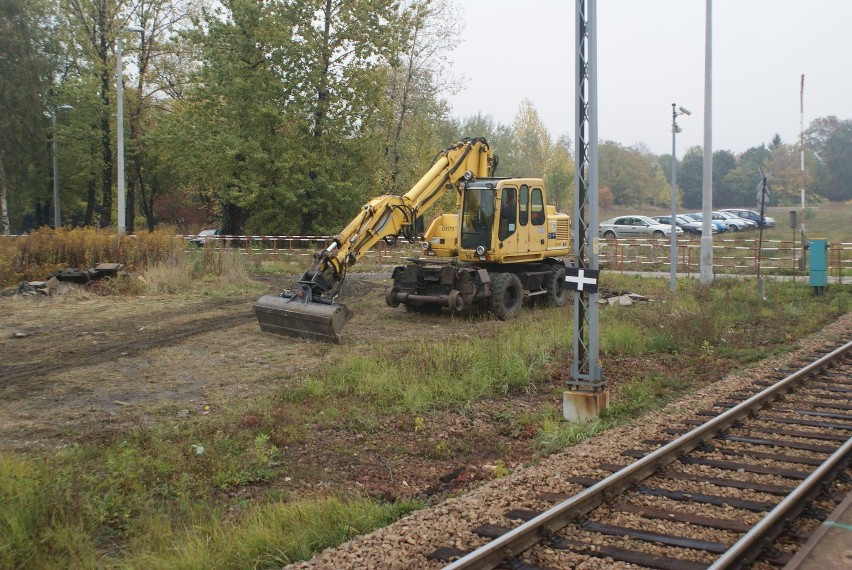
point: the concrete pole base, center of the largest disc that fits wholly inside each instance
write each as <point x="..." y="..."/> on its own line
<point x="583" y="406"/>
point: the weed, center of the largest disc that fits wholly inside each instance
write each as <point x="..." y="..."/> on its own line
<point x="443" y="449"/>
<point x="623" y="338"/>
<point x="500" y="469"/>
<point x="556" y="435"/>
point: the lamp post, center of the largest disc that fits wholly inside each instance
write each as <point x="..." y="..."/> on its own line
<point x="120" y="126"/>
<point x="673" y="264"/>
<point x="57" y="215"/>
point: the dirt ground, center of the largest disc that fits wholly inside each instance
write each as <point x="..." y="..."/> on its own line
<point x="85" y="368"/>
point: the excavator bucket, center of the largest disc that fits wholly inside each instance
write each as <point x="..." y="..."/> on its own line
<point x="293" y="316"/>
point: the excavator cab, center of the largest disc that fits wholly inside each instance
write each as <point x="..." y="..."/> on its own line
<point x="478" y="214"/>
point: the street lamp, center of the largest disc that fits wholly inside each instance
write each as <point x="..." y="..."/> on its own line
<point x="673" y="264"/>
<point x="120" y="128"/>
<point x="57" y="216"/>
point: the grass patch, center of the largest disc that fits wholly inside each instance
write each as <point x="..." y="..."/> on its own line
<point x="444" y="374"/>
<point x="270" y="536"/>
<point x="149" y="499"/>
<point x="151" y="493"/>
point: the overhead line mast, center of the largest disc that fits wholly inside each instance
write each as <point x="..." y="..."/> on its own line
<point x="802" y="161"/>
<point x="586" y="396"/>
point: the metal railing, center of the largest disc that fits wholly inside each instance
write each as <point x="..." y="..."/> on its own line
<point x="735" y="256"/>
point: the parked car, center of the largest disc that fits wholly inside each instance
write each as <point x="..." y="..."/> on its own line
<point x="634" y="226"/>
<point x="203" y="236"/>
<point x="718" y="224"/>
<point x="688" y="225"/>
<point x="734" y="223"/>
<point x="751" y="215"/>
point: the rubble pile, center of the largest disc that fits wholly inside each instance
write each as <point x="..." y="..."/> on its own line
<point x="65" y="280"/>
<point x="608" y="297"/>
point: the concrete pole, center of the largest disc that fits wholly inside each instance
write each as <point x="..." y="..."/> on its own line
<point x="673" y="261"/>
<point x="707" y="186"/>
<point x="119" y="90"/>
<point x="57" y="216"/>
<point x="802" y="261"/>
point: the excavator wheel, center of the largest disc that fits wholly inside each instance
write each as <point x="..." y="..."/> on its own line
<point x="390" y="297"/>
<point x="507" y="295"/>
<point x="554" y="284"/>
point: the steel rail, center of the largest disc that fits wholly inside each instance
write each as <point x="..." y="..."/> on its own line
<point x="750" y="545"/>
<point x="549" y="522"/>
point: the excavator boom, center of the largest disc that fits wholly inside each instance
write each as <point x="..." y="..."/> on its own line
<point x="309" y="309"/>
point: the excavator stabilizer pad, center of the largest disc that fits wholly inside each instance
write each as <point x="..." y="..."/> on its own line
<point x="316" y="321"/>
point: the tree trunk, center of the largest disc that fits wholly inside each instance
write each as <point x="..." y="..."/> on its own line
<point x="4" y="205"/>
<point x="394" y="157"/>
<point x="106" y="150"/>
<point x="308" y="216"/>
<point x="91" y="203"/>
<point x="131" y="209"/>
<point x="146" y="201"/>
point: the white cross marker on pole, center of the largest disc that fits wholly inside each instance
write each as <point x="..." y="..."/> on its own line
<point x="581" y="279"/>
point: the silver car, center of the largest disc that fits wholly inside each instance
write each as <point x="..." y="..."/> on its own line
<point x="751" y="215"/>
<point x="204" y="236"/>
<point x="635" y="226"/>
<point x="734" y="223"/>
<point x="688" y="225"/>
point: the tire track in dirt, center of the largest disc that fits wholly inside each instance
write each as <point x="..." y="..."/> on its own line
<point x="121" y="345"/>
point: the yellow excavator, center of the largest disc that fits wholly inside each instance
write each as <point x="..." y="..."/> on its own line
<point x="503" y="245"/>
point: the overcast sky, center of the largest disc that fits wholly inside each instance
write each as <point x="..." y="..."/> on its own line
<point x="650" y="55"/>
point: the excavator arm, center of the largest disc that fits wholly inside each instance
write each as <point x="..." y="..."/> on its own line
<point x="308" y="311"/>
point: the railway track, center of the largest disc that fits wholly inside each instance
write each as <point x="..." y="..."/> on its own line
<point x="745" y="480"/>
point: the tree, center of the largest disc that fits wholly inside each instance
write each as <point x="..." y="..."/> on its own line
<point x="25" y="67"/>
<point x="559" y="177"/>
<point x="92" y="26"/>
<point x="427" y="29"/>
<point x="532" y="142"/>
<point x="162" y="67"/>
<point x="724" y="162"/>
<point x="499" y="136"/>
<point x="286" y="115"/>
<point x="691" y="177"/>
<point x="633" y="179"/>
<point x="775" y="142"/>
<point x="830" y="139"/>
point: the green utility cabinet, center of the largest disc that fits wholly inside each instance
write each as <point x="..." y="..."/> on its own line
<point x="818" y="265"/>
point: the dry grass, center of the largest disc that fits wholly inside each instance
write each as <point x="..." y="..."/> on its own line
<point x="45" y="251"/>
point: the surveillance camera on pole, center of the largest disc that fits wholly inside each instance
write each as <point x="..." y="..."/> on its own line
<point x="673" y="234"/>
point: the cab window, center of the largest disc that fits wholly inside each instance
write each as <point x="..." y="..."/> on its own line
<point x="523" y="205"/>
<point x="537" y="207"/>
<point x="477" y="218"/>
<point x="508" y="213"/>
